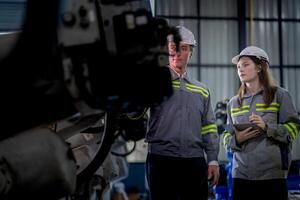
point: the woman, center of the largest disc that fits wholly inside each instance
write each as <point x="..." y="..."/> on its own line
<point x="262" y="155"/>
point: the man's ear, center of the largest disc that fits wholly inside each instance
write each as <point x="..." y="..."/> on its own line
<point x="191" y="50"/>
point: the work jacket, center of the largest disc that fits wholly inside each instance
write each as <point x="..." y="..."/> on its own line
<point x="267" y="156"/>
<point x="184" y="125"/>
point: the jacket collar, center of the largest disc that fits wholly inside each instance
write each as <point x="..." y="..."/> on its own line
<point x="249" y="94"/>
<point x="176" y="76"/>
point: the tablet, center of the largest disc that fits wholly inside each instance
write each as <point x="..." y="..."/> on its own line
<point x="243" y="126"/>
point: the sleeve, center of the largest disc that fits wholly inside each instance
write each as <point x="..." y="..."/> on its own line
<point x="209" y="133"/>
<point x="229" y="141"/>
<point x="288" y="125"/>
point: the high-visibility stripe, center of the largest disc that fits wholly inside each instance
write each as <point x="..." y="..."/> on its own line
<point x="176" y="84"/>
<point x="197" y="87"/>
<point x="292" y="129"/>
<point x="274" y="106"/>
<point x="225" y="137"/>
<point x="239" y="113"/>
<point x="197" y="90"/>
<point x="240" y="108"/>
<point x="210" y="128"/>
<point x="267" y="109"/>
<point x="271" y="104"/>
<point x="209" y="131"/>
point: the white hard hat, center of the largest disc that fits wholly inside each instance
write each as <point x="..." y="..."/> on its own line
<point x="187" y="37"/>
<point x="251" y="51"/>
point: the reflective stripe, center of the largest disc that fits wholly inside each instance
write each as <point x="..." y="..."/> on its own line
<point x="267" y="109"/>
<point x="240" y="110"/>
<point x="196" y="88"/>
<point x="242" y="107"/>
<point x="292" y="129"/>
<point x="274" y="106"/>
<point x="176" y="82"/>
<point x="210" y="128"/>
<point x="225" y="137"/>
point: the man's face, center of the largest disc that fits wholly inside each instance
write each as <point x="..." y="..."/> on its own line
<point x="178" y="60"/>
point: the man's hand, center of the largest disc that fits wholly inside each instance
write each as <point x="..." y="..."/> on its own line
<point x="213" y="174"/>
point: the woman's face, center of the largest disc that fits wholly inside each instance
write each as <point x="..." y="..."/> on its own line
<point x="247" y="70"/>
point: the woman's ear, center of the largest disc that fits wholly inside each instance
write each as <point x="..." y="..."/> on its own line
<point x="259" y="68"/>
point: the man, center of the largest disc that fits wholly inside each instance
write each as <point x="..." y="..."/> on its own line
<point x="182" y="133"/>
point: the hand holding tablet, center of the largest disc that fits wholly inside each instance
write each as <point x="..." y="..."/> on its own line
<point x="243" y="126"/>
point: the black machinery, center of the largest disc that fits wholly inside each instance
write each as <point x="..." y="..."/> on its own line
<point x="77" y="63"/>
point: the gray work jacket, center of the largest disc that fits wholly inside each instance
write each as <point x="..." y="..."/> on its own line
<point x="267" y="156"/>
<point x="184" y="125"/>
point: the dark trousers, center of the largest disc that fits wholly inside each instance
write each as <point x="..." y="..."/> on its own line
<point x="173" y="178"/>
<point x="275" y="189"/>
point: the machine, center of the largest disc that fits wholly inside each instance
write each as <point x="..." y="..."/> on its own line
<point x="77" y="67"/>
